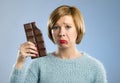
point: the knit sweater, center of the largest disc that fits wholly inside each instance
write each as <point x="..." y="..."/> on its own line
<point x="51" y="69"/>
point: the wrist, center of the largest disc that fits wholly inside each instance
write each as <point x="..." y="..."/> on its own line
<point x="20" y="61"/>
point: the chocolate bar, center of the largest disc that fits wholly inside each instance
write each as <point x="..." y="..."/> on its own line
<point x="34" y="35"/>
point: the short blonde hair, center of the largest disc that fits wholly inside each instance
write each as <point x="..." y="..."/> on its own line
<point x="67" y="10"/>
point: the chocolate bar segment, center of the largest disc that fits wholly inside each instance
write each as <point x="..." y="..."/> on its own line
<point x="34" y="35"/>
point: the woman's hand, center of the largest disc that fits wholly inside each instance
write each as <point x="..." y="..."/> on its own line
<point x="27" y="49"/>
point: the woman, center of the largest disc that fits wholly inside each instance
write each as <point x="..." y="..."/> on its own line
<point x="65" y="65"/>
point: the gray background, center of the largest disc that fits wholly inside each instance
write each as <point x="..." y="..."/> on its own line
<point x="102" y="20"/>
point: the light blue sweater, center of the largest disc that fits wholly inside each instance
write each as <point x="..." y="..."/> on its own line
<point x="51" y="69"/>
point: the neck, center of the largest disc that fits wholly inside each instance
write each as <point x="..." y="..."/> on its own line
<point x="67" y="53"/>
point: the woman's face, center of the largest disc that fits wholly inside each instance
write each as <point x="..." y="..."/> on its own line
<point x="64" y="32"/>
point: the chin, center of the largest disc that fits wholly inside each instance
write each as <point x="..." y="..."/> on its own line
<point x="63" y="46"/>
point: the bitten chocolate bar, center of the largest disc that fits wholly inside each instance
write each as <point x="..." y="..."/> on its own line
<point x="34" y="35"/>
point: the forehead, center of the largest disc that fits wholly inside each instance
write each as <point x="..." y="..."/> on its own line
<point x="67" y="19"/>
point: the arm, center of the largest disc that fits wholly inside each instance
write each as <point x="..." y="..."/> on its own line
<point x="17" y="75"/>
<point x="101" y="75"/>
<point x="25" y="50"/>
<point x="30" y="76"/>
<point x="33" y="72"/>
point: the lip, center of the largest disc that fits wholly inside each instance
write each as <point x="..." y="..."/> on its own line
<point x="63" y="41"/>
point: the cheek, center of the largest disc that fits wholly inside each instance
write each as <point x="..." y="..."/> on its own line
<point x="73" y="35"/>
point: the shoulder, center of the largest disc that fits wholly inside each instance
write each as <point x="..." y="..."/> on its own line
<point x="41" y="60"/>
<point x="96" y="67"/>
<point x="37" y="63"/>
<point x="94" y="62"/>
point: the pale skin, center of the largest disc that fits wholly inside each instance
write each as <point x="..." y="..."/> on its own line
<point x="64" y="35"/>
<point x="65" y="30"/>
<point x="26" y="49"/>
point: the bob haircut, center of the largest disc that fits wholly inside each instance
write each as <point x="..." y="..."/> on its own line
<point x="67" y="10"/>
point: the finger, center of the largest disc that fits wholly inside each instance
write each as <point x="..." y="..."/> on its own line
<point x="31" y="51"/>
<point x="30" y="43"/>
<point x="28" y="52"/>
<point x="31" y="47"/>
<point x="28" y="49"/>
<point x="32" y="55"/>
<point x="27" y="44"/>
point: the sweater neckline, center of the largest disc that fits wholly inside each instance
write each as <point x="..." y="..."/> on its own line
<point x="68" y="60"/>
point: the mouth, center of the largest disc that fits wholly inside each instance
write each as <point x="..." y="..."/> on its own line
<point x="63" y="41"/>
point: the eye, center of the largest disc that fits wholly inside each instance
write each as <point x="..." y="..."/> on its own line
<point x="55" y="27"/>
<point x="68" y="26"/>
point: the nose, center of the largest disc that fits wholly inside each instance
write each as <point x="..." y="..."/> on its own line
<point x="62" y="31"/>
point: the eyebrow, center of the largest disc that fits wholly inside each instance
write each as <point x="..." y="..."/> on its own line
<point x="64" y="24"/>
